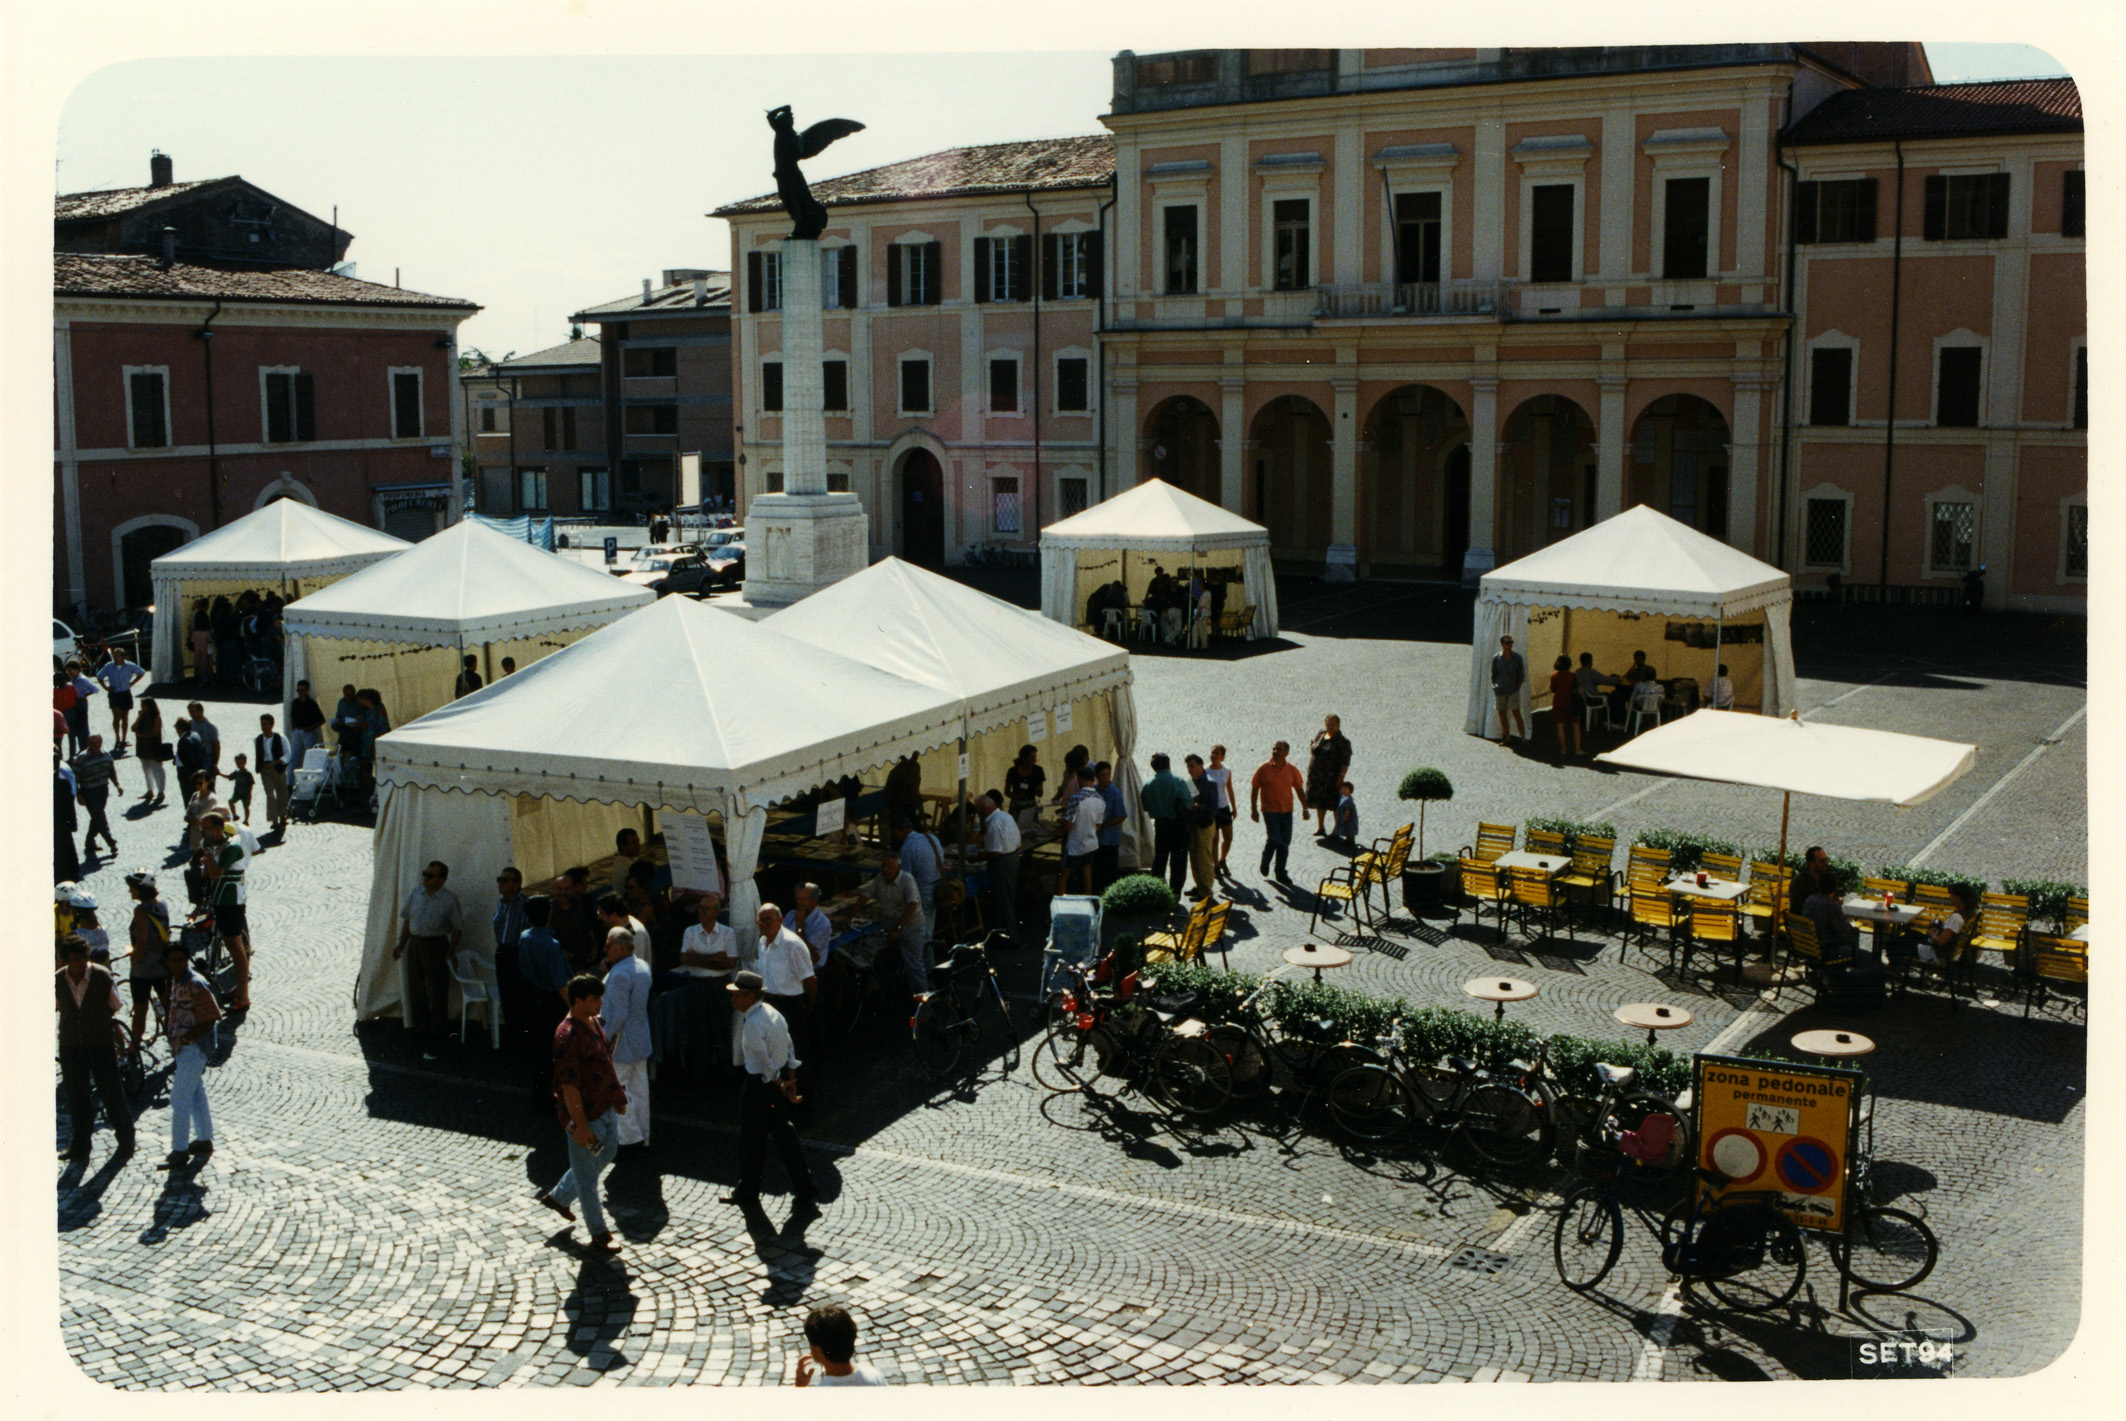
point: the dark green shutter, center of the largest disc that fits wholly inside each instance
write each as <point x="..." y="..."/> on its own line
<point x="1864" y="210"/>
<point x="1805" y="211"/>
<point x="753" y="281"/>
<point x="893" y="276"/>
<point x="1997" y="205"/>
<point x="305" y="407"/>
<point x="981" y="272"/>
<point x="934" y="271"/>
<point x="1089" y="248"/>
<point x="848" y="277"/>
<point x="1048" y="266"/>
<point x="771" y="385"/>
<point x="1021" y="268"/>
<point x="278" y="398"/>
<point x="1936" y="221"/>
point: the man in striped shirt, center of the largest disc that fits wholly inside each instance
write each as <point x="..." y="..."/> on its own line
<point x="95" y="776"/>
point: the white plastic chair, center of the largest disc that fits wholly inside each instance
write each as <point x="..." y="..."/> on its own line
<point x="477" y="991"/>
<point x="309" y="779"/>
<point x="1147" y="624"/>
<point x="1111" y="626"/>
<point x="1646" y="704"/>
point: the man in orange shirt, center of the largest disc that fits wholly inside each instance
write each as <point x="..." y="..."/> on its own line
<point x="1271" y="799"/>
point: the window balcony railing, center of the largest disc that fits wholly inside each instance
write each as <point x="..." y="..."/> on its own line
<point x="1410" y="298"/>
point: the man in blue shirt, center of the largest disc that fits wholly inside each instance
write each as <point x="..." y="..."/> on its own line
<point x="542" y="969"/>
<point x="1107" y="858"/>
<point x="1166" y="799"/>
<point x="118" y="678"/>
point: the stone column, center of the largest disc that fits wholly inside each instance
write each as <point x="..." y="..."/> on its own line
<point x="1745" y="455"/>
<point x="1343" y="481"/>
<point x="1483" y="477"/>
<point x="803" y="538"/>
<point x="1609" y="447"/>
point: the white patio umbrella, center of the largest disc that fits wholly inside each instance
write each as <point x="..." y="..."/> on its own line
<point x="1796" y="756"/>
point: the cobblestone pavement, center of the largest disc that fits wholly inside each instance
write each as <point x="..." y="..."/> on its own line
<point x="366" y="1220"/>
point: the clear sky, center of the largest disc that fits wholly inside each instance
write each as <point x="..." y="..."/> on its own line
<point x="538" y="186"/>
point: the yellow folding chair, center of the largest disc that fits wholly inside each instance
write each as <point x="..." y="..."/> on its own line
<point x="1546" y="841"/>
<point x="1493" y="840"/>
<point x="1728" y="866"/>
<point x="1481" y="884"/>
<point x="1653" y="908"/>
<point x="1533" y="893"/>
<point x="1183" y="944"/>
<point x="2060" y="961"/>
<point x="1713" y="925"/>
<point x="1345" y="884"/>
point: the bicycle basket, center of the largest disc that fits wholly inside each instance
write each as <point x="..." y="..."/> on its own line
<point x="1596" y="1161"/>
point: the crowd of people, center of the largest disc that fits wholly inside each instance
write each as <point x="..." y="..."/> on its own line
<point x="1192" y="816"/>
<point x="1573" y="689"/>
<point x="226" y="635"/>
<point x="1184" y="607"/>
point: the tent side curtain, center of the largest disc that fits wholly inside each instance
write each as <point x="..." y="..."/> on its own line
<point x="1494" y="620"/>
<point x="413" y="677"/>
<point x="1133" y="566"/>
<point x="1059" y="584"/>
<point x="1780" y="695"/>
<point x="1259" y="579"/>
<point x="170" y="654"/>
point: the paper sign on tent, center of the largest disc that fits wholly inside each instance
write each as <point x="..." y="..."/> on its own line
<point x="1037" y="727"/>
<point x="692" y="852"/>
<point x="1063" y="719"/>
<point x="830" y="817"/>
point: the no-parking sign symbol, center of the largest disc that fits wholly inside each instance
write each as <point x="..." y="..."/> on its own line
<point x="1806" y="1166"/>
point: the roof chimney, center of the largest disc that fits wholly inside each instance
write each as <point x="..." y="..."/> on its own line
<point x="645" y="291"/>
<point x="701" y="291"/>
<point x="159" y="170"/>
<point x="169" y="248"/>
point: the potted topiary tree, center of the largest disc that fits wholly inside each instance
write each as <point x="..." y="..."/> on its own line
<point x="1133" y="905"/>
<point x="1423" y="878"/>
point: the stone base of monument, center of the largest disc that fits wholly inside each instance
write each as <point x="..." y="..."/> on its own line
<point x="798" y="543"/>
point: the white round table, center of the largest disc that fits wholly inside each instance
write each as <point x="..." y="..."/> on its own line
<point x="1500" y="990"/>
<point x="1654" y="1016"/>
<point x="1317" y="956"/>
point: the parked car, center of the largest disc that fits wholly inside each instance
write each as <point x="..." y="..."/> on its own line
<point x="646" y="567"/>
<point x="687" y="574"/>
<point x="64" y="644"/>
<point x="727" y="567"/>
<point x="717" y="537"/>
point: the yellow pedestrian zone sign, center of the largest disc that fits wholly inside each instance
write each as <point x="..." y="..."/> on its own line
<point x="1770" y="1125"/>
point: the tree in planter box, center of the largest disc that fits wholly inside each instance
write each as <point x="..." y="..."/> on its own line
<point x="1424" y="784"/>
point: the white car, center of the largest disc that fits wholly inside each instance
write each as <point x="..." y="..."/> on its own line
<point x="64" y="644"/>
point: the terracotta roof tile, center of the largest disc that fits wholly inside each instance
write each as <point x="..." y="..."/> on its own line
<point x="95" y="274"/>
<point x="1943" y="110"/>
<point x="112" y="201"/>
<point x="1037" y="165"/>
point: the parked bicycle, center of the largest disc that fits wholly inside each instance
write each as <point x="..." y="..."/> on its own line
<point x="1885" y="1249"/>
<point x="1653" y="1127"/>
<point x="1107" y="1042"/>
<point x="1502" y="1122"/>
<point x="1738" y="1244"/>
<point x="961" y="1012"/>
<point x="1303" y="1055"/>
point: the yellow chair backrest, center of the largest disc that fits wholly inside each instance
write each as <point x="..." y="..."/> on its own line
<point x="1713" y="920"/>
<point x="1801" y="932"/>
<point x="2060" y="959"/>
<point x="1398" y="857"/>
<point x="1724" y="865"/>
<point x="2077" y="913"/>
<point x="1895" y="887"/>
<point x="1532" y="886"/>
<point x="1493" y="840"/>
<point x="1652" y="907"/>
<point x="1546" y="841"/>
<point x="1479" y="878"/>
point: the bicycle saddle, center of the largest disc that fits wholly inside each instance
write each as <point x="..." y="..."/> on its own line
<point x="1615" y="1075"/>
<point x="1462" y="1064"/>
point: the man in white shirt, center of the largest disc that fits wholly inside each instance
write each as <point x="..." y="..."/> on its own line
<point x="625" y="1014"/>
<point x="1083" y="814"/>
<point x="770" y="1062"/>
<point x="613" y="913"/>
<point x="708" y="954"/>
<point x="809" y="923"/>
<point x="785" y="966"/>
<point x="900" y="905"/>
<point x="1723" y="690"/>
<point x="1000" y="852"/>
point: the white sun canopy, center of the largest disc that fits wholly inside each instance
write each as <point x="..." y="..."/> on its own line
<point x="1005" y="666"/>
<point x="403" y="625"/>
<point x="1118" y="540"/>
<point x="1835" y="761"/>
<point x="287" y="545"/>
<point x="1640" y="581"/>
<point x="681" y="707"/>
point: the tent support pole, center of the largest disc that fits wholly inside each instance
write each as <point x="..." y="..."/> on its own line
<point x="1719" y="630"/>
<point x="1786" y="804"/>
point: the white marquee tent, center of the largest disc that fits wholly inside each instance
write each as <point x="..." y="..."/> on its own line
<point x="1640" y="581"/>
<point x="1153" y="522"/>
<point x="682" y="709"/>
<point x="405" y="626"/>
<point x="286" y="545"/>
<point x="1018" y="677"/>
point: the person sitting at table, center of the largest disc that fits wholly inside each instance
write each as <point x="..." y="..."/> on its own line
<point x="1722" y="693"/>
<point x="1588" y="683"/>
<point x="1634" y="675"/>
<point x="1023" y="780"/>
<point x="1646" y="696"/>
<point x="1833" y="928"/>
<point x="1938" y="944"/>
<point x="904" y="787"/>
<point x="1815" y="876"/>
<point x="809" y="923"/>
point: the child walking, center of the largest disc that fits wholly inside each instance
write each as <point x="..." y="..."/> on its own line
<point x="1346" y="818"/>
<point x="240" y="789"/>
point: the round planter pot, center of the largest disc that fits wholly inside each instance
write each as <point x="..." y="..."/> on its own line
<point x="1424" y="885"/>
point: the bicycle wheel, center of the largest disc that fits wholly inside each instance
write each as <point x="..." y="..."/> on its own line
<point x="990" y="1008"/>
<point x="937" y="1041"/>
<point x="1765" y="1235"/>
<point x="1369" y="1103"/>
<point x="1063" y="1059"/>
<point x="1889" y="1250"/>
<point x="1504" y="1125"/>
<point x="1191" y="1075"/>
<point x="1573" y="1122"/>
<point x="1246" y="1062"/>
<point x="1589" y="1236"/>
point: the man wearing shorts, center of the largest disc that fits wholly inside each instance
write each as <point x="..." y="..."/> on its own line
<point x="1508" y="673"/>
<point x="118" y="679"/>
<point x="225" y="871"/>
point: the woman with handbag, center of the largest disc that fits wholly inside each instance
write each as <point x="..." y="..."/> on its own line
<point x="1328" y="757"/>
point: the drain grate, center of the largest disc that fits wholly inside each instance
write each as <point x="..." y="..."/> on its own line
<point x="1479" y="1260"/>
